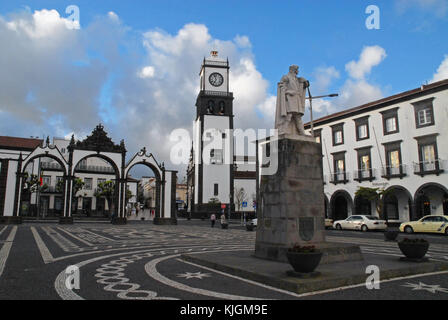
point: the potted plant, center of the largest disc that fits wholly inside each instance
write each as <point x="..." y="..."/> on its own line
<point x="414" y="248"/>
<point x="391" y="234"/>
<point x="304" y="259"/>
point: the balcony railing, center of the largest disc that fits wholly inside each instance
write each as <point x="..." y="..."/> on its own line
<point x="99" y="169"/>
<point x="80" y="167"/>
<point x="430" y="167"/>
<point x="50" y="166"/>
<point x="216" y="63"/>
<point x="217" y="93"/>
<point x="394" y="171"/>
<point x="363" y="175"/>
<point x="339" y="177"/>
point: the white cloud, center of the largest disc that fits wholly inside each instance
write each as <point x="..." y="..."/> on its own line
<point x="442" y="71"/>
<point x="356" y="90"/>
<point x="267" y="107"/>
<point x="153" y="106"/>
<point x="147" y="72"/>
<point x="355" y="93"/>
<point x="323" y="76"/>
<point x="369" y="58"/>
<point x="437" y="7"/>
<point x="243" y="41"/>
<point x="44" y="24"/>
<point x="113" y="16"/>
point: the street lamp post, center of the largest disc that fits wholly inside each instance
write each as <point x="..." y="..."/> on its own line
<point x="311" y="98"/>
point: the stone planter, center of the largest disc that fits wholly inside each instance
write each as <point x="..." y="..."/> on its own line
<point x="414" y="250"/>
<point x="391" y="235"/>
<point x="304" y="262"/>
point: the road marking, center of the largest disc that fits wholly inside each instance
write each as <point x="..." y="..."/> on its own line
<point x="242" y="279"/>
<point x="44" y="252"/>
<point x="151" y="270"/>
<point x="4" y="252"/>
<point x="363" y="284"/>
<point x="97" y="235"/>
<point x="75" y="237"/>
<point x="65" y="244"/>
<point x="4" y="228"/>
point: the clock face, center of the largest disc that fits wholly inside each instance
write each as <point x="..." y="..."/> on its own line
<point x="216" y="79"/>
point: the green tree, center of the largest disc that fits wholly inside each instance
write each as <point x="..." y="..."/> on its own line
<point x="106" y="189"/>
<point x="129" y="195"/>
<point x="374" y="194"/>
<point x="78" y="184"/>
<point x="32" y="184"/>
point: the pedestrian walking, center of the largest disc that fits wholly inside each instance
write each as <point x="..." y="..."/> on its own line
<point x="224" y="223"/>
<point x="133" y="210"/>
<point x="213" y="219"/>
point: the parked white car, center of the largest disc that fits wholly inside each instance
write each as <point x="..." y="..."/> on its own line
<point x="363" y="223"/>
<point x="254" y="222"/>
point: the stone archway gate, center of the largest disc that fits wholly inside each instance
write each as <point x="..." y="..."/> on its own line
<point x="98" y="144"/>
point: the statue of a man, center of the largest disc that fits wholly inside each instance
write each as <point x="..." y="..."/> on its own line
<point x="291" y="95"/>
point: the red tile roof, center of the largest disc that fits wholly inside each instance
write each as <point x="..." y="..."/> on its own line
<point x="19" y="143"/>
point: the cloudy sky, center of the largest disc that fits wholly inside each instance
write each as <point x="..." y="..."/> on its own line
<point x="133" y="65"/>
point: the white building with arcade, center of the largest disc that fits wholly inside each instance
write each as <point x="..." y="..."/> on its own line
<point x="398" y="144"/>
<point x="72" y="161"/>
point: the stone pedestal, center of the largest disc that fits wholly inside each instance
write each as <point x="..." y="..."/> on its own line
<point x="292" y="207"/>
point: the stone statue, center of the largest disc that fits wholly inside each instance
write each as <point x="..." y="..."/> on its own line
<point x="291" y="94"/>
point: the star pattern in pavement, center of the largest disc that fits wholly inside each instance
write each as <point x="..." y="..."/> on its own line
<point x="427" y="287"/>
<point x="194" y="275"/>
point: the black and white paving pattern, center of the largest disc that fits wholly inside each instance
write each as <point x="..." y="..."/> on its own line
<point x="142" y="262"/>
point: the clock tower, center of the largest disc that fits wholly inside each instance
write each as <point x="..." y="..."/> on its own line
<point x="213" y="143"/>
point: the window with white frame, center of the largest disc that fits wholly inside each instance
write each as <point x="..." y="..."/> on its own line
<point x="391" y="124"/>
<point x="87" y="183"/>
<point x="46" y="180"/>
<point x="338" y="137"/>
<point x="363" y="132"/>
<point x="338" y="134"/>
<point x="428" y="153"/>
<point x="390" y="121"/>
<point x="424" y="113"/>
<point x="424" y="117"/>
<point x="362" y="128"/>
